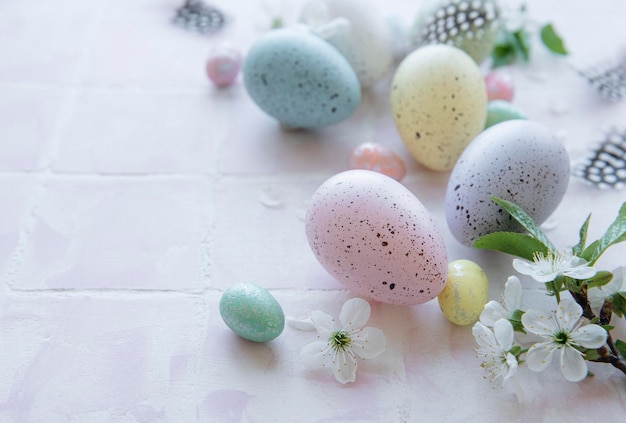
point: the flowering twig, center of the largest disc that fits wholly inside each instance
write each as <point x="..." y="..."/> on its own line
<point x="574" y="329"/>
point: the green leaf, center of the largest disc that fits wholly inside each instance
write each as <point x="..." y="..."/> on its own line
<point x="552" y="40"/>
<point x="619" y="303"/>
<point x="516" y="321"/>
<point x="578" y="248"/>
<point x="591" y="355"/>
<point x="607" y="328"/>
<point x="504" y="51"/>
<point x="516" y="244"/>
<point x="526" y="221"/>
<point x="615" y="234"/>
<point x="621" y="347"/>
<point x="600" y="279"/>
<point x="522" y="42"/>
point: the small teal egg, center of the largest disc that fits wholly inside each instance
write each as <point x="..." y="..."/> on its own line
<point x="500" y="110"/>
<point x="252" y="312"/>
<point x="300" y="79"/>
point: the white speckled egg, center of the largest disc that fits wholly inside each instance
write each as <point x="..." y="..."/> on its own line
<point x="471" y="26"/>
<point x="358" y="30"/>
<point x="300" y="79"/>
<point x="375" y="237"/>
<point x="465" y="294"/>
<point x="439" y="104"/>
<point x="517" y="160"/>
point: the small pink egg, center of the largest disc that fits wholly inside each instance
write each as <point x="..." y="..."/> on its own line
<point x="499" y="85"/>
<point x="379" y="158"/>
<point x="223" y="65"/>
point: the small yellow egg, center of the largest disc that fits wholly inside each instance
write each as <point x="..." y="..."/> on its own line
<point x="465" y="294"/>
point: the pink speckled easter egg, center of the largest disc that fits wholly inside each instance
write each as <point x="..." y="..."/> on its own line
<point x="499" y="86"/>
<point x="223" y="65"/>
<point x="379" y="158"/>
<point x="375" y="237"/>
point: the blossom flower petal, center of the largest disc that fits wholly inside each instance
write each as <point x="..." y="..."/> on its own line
<point x="484" y="337"/>
<point x="530" y="269"/>
<point x="539" y="323"/>
<point x="511" y="365"/>
<point x="513" y="294"/>
<point x="369" y="343"/>
<point x="573" y="365"/>
<point x="581" y="272"/>
<point x="539" y="356"/>
<point x="354" y="314"/>
<point x="312" y="355"/>
<point x="304" y="323"/>
<point x="344" y="366"/>
<point x="590" y="336"/>
<point x="492" y="312"/>
<point x="568" y="313"/>
<point x="503" y="331"/>
<point x="324" y="324"/>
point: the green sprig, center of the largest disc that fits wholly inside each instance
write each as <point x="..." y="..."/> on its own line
<point x="511" y="46"/>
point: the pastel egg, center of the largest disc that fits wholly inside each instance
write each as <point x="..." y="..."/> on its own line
<point x="439" y="104"/>
<point x="252" y="312"/>
<point x="465" y="294"/>
<point x="358" y="30"/>
<point x="379" y="158"/>
<point x="499" y="85"/>
<point x="517" y="160"/>
<point x="223" y="65"/>
<point x="471" y="26"/>
<point x="300" y="79"/>
<point x="375" y="237"/>
<point x="500" y="110"/>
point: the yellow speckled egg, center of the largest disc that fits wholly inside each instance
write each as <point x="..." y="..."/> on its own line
<point x="465" y="294"/>
<point x="439" y="104"/>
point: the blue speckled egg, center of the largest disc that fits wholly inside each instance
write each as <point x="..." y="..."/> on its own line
<point x="517" y="160"/>
<point x="300" y="79"/>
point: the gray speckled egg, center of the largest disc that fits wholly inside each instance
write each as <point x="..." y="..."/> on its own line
<point x="300" y="79"/>
<point x="517" y="160"/>
<point x="471" y="25"/>
<point x="439" y="104"/>
<point x="375" y="237"/>
<point x="252" y="312"/>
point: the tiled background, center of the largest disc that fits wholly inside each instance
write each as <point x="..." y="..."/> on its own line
<point x="133" y="193"/>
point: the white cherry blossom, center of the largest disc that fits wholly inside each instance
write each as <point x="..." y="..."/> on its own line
<point x="339" y="347"/>
<point x="494" y="348"/>
<point x="511" y="301"/>
<point x="546" y="267"/>
<point x="564" y="334"/>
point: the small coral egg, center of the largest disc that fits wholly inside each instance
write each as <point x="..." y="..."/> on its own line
<point x="465" y="294"/>
<point x="499" y="86"/>
<point x="379" y="158"/>
<point x="223" y="65"/>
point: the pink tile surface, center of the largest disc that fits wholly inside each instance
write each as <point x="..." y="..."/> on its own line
<point x="120" y="233"/>
<point x="133" y="193"/>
